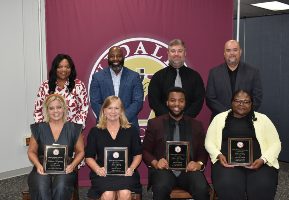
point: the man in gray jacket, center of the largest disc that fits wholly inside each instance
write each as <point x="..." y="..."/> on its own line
<point x="230" y="76"/>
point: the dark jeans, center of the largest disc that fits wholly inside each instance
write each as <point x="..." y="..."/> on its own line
<point x="163" y="181"/>
<point x="51" y="187"/>
<point x="235" y="183"/>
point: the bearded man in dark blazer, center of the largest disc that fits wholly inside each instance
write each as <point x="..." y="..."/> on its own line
<point x="229" y="77"/>
<point x="160" y="130"/>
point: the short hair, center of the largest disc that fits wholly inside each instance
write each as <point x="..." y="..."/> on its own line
<point x="175" y="42"/>
<point x="102" y="122"/>
<point x="175" y="89"/>
<point x="53" y="73"/>
<point x="48" y="100"/>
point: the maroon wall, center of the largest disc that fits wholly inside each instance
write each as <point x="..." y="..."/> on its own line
<point x="86" y="29"/>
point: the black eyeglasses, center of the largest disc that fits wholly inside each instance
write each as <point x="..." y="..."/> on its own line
<point x="244" y="102"/>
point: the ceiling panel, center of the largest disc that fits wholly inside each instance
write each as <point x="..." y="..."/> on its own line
<point x="246" y="10"/>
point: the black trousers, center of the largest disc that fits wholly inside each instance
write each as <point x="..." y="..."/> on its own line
<point x="163" y="181"/>
<point x="235" y="183"/>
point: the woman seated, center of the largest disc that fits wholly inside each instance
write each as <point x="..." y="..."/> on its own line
<point x="113" y="130"/>
<point x="258" y="179"/>
<point x="54" y="131"/>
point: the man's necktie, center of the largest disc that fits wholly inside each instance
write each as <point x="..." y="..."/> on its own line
<point x="178" y="81"/>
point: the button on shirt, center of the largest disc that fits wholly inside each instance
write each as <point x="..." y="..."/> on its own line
<point x="116" y="80"/>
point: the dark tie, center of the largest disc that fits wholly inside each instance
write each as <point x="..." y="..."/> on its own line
<point x="177" y="132"/>
<point x="178" y="81"/>
<point x="177" y="138"/>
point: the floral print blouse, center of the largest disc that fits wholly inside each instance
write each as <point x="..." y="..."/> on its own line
<point x="77" y="102"/>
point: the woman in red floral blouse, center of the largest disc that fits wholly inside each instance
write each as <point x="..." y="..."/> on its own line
<point x="62" y="80"/>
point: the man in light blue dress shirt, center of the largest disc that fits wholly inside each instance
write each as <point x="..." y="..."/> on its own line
<point x="120" y="81"/>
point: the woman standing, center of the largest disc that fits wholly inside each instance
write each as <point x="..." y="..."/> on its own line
<point x="257" y="180"/>
<point x="62" y="80"/>
<point x="54" y="131"/>
<point x="113" y="130"/>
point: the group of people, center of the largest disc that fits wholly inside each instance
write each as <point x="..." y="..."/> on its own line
<point x="176" y="95"/>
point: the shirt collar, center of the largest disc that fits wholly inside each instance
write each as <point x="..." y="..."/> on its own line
<point x="114" y="74"/>
<point x="172" y="121"/>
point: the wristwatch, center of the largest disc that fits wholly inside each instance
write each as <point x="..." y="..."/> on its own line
<point x="202" y="165"/>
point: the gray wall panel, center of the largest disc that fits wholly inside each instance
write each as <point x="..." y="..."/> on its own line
<point x="265" y="43"/>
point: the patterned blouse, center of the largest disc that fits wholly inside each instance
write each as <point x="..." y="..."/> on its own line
<point x="76" y="101"/>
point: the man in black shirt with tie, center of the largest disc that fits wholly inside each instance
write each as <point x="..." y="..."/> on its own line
<point x="176" y="74"/>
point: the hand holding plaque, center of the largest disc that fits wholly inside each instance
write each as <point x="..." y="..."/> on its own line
<point x="240" y="151"/>
<point x="115" y="160"/>
<point x="55" y="159"/>
<point x="177" y="153"/>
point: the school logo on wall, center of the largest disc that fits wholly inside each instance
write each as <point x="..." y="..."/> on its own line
<point x="143" y="55"/>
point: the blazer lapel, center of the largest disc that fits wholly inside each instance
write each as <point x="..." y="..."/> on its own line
<point x="189" y="136"/>
<point x="109" y="83"/>
<point x="239" y="75"/>
<point x="226" y="80"/>
<point x="123" y="81"/>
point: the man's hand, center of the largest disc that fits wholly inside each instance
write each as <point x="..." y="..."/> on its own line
<point x="161" y="164"/>
<point x="193" y="166"/>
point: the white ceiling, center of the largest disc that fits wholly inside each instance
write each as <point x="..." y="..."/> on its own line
<point x="246" y="10"/>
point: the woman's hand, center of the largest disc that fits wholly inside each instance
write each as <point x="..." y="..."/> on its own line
<point x="100" y="171"/>
<point x="129" y="172"/>
<point x="256" y="164"/>
<point x="69" y="168"/>
<point x="223" y="161"/>
<point x="40" y="170"/>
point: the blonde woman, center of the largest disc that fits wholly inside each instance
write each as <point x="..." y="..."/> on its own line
<point x="113" y="130"/>
<point x="55" y="130"/>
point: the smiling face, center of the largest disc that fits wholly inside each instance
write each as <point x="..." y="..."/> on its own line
<point x="241" y="104"/>
<point x="115" y="59"/>
<point x="176" y="103"/>
<point x="55" y="110"/>
<point x="232" y="53"/>
<point x="63" y="70"/>
<point x="113" y="111"/>
<point x="176" y="55"/>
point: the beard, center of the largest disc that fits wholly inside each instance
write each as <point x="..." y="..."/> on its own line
<point x="176" y="115"/>
<point x="116" y="68"/>
<point x="176" y="64"/>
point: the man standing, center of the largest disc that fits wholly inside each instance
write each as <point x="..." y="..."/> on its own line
<point x="119" y="81"/>
<point x="229" y="77"/>
<point x="178" y="75"/>
<point x="175" y="126"/>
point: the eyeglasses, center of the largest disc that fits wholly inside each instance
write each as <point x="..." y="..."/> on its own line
<point x="244" y="102"/>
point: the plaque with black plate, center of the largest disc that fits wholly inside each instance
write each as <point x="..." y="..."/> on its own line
<point x="55" y="159"/>
<point x="240" y="151"/>
<point x="178" y="153"/>
<point x="115" y="160"/>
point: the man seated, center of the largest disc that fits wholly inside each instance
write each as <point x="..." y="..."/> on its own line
<point x="175" y="126"/>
